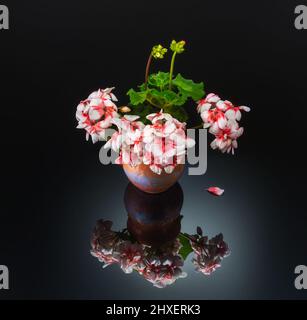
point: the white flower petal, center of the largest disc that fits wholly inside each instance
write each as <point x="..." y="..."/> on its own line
<point x="221" y="105"/>
<point x="213" y="144"/>
<point x="94" y="114"/>
<point x="131" y="117"/>
<point x="230" y="114"/>
<point x="94" y="137"/>
<point x="212" y="97"/>
<point x="113" y="97"/>
<point x="207" y="125"/>
<point x="222" y="121"/>
<point x="245" y="108"/>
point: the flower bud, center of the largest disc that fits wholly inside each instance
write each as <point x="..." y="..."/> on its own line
<point x="158" y="51"/>
<point x="177" y="47"/>
<point x="124" y="109"/>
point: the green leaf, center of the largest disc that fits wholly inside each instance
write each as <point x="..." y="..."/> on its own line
<point x="159" y="79"/>
<point x="136" y="98"/>
<point x="189" y="88"/>
<point x="142" y="87"/>
<point x="186" y="248"/>
<point x="180" y="100"/>
<point x="169" y="96"/>
<point x="155" y="96"/>
<point x="166" y="98"/>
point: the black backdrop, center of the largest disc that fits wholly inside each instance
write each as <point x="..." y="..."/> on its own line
<point x="57" y="52"/>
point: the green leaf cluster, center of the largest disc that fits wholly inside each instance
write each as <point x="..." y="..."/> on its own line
<point x="158" y="95"/>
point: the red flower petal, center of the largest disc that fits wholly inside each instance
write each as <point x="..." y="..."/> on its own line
<point x="216" y="191"/>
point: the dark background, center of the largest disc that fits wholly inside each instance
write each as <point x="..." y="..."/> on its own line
<point x="54" y="188"/>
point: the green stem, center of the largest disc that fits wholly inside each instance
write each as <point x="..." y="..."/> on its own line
<point x="147" y="70"/>
<point x="172" y="70"/>
<point x="152" y="103"/>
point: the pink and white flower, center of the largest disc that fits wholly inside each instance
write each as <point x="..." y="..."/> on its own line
<point x="95" y="114"/>
<point x="213" y="116"/>
<point x="232" y="112"/>
<point x="128" y="140"/>
<point x="161" y="145"/>
<point x="226" y="138"/>
<point x="165" y="142"/>
<point x="208" y="102"/>
<point x="221" y="117"/>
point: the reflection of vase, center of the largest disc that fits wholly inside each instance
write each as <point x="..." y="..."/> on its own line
<point x="154" y="219"/>
<point x="146" y="180"/>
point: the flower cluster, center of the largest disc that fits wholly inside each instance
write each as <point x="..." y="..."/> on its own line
<point x="221" y="117"/>
<point x="95" y="114"/>
<point x="160" y="267"/>
<point x="208" y="254"/>
<point x="161" y="145"/>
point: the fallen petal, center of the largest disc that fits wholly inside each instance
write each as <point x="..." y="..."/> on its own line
<point x="216" y="191"/>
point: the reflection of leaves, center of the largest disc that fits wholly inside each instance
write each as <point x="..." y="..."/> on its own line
<point x="186" y="248"/>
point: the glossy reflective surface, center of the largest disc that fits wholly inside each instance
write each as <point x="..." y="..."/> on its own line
<point x="153" y="244"/>
<point x="48" y="248"/>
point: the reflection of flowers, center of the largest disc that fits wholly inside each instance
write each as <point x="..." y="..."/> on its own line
<point x="163" y="271"/>
<point x="208" y="254"/>
<point x="103" y="242"/>
<point x="129" y="256"/>
<point x="161" y="266"/>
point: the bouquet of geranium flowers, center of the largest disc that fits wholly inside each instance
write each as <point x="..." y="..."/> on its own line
<point x="151" y="128"/>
